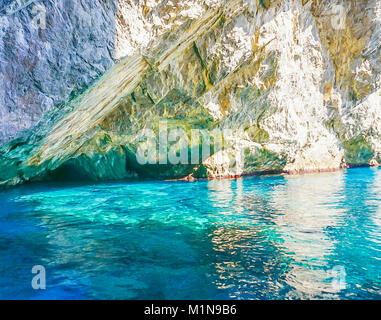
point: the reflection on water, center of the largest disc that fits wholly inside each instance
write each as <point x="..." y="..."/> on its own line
<point x="254" y="238"/>
<point x="309" y="208"/>
<point x="374" y="201"/>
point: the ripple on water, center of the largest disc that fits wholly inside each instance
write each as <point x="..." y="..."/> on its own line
<point x="255" y="238"/>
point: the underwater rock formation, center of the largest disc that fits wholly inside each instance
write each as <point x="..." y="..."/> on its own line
<point x="296" y="83"/>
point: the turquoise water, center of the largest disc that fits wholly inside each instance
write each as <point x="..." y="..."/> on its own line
<point x="273" y="237"/>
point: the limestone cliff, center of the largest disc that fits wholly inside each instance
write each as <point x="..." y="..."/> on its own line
<point x="295" y="82"/>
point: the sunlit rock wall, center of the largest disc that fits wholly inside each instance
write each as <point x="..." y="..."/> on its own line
<point x="297" y="82"/>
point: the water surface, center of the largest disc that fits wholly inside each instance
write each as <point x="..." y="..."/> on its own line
<point x="275" y="237"/>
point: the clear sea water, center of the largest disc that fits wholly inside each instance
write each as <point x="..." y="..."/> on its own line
<point x="315" y="236"/>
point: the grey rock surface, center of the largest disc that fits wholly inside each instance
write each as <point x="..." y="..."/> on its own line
<point x="41" y="68"/>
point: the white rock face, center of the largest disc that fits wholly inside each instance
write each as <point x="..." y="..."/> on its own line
<point x="297" y="127"/>
<point x="323" y="109"/>
<point x="300" y="78"/>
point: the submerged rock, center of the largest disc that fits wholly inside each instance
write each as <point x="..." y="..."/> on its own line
<point x="293" y="85"/>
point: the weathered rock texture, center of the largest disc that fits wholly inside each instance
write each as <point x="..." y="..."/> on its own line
<point x="297" y="82"/>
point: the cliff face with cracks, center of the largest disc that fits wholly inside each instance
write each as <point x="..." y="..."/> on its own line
<point x="296" y="82"/>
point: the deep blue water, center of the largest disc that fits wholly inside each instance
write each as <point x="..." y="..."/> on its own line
<point x="273" y="237"/>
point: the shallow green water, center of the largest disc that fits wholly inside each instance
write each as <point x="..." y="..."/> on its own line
<point x="311" y="236"/>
